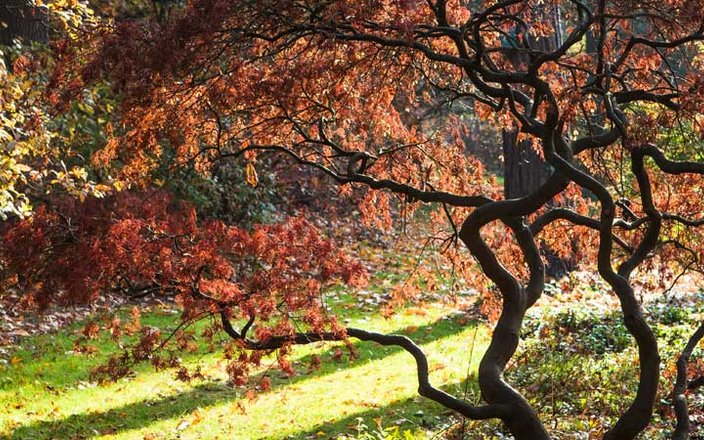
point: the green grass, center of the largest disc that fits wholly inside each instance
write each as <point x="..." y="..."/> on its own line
<point x="45" y="393"/>
<point x="579" y="375"/>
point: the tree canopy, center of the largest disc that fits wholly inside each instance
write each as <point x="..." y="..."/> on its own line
<point x="613" y="107"/>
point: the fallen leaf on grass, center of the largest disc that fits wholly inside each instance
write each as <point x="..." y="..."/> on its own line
<point x="183" y="425"/>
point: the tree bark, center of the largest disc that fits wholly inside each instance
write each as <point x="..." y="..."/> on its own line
<point x="522" y="420"/>
<point x="679" y="398"/>
<point x="524" y="170"/>
<point x="20" y="20"/>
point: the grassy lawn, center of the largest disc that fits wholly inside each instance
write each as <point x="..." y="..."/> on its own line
<point x="45" y="393"/>
<point x="576" y="364"/>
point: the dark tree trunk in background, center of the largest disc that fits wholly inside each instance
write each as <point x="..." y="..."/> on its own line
<point x="20" y="20"/>
<point x="524" y="170"/>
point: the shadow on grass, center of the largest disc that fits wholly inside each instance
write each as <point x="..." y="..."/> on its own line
<point x="141" y="414"/>
<point x="408" y="414"/>
<point x="49" y="360"/>
<point x="54" y="365"/>
<point x="127" y="417"/>
<point x="370" y="351"/>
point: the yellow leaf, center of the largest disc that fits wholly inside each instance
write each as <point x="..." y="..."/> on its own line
<point x="197" y="417"/>
<point x="251" y="174"/>
<point x="15" y="360"/>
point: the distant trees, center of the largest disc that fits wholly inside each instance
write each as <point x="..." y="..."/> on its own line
<point x="42" y="150"/>
<point x="18" y="20"/>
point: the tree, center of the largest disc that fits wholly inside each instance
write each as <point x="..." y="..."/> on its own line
<point x="315" y="81"/>
<point x="524" y="169"/>
<point x="23" y="21"/>
<point x="38" y="150"/>
<point x="18" y="21"/>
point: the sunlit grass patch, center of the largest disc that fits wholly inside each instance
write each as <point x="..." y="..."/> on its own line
<point x="45" y="392"/>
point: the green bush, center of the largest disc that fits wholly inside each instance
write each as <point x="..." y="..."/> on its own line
<point x="580" y="331"/>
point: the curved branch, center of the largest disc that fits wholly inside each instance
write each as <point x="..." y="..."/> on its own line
<point x="638" y="415"/>
<point x="391" y="185"/>
<point x="425" y="388"/>
<point x="573" y="217"/>
<point x="678" y="392"/>
<point x="523" y="422"/>
<point x="652" y="233"/>
<point x="671" y="166"/>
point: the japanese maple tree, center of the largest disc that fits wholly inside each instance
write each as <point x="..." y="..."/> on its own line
<point x="320" y="82"/>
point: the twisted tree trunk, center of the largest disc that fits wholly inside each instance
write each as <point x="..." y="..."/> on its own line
<point x="524" y="169"/>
